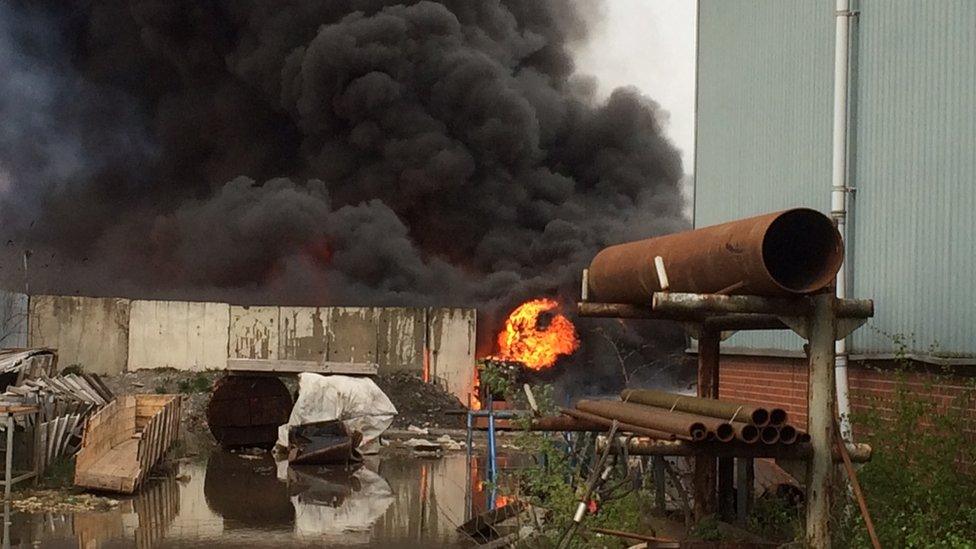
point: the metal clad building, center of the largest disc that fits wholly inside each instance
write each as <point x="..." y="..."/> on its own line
<point x="764" y="118"/>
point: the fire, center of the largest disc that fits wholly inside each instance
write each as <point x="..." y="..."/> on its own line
<point x="536" y="335"/>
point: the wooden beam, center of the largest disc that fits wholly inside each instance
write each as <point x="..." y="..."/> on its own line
<point x="301" y="366"/>
<point x="705" y="466"/>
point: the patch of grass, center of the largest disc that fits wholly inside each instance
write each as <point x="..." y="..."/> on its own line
<point x="161" y="390"/>
<point x="59" y="474"/>
<point x="197" y="384"/>
<point x="775" y="518"/>
<point x="707" y="529"/>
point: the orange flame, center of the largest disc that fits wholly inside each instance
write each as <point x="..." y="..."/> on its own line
<point x="537" y="344"/>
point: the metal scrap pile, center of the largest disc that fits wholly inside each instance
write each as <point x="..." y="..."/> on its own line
<point x="64" y="402"/>
<point x="669" y="416"/>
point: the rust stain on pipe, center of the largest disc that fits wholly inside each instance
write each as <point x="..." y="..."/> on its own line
<point x="789" y="252"/>
<point x="745" y="432"/>
<point x="721" y="409"/>
<point x="778" y="416"/>
<point x="605" y="423"/>
<point x="681" y="423"/>
<point x="788" y="434"/>
<point x="769" y="434"/>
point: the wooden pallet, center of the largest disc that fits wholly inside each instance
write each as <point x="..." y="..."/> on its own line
<point x="125" y="439"/>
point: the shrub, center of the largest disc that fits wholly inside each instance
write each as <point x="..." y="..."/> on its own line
<point x="916" y="485"/>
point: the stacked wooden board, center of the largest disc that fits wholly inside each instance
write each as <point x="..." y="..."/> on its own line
<point x="125" y="439"/>
<point x="64" y="403"/>
<point x="28" y="363"/>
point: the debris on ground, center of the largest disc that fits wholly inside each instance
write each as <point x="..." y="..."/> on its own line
<point x="357" y="402"/>
<point x="423" y="446"/>
<point x="323" y="443"/>
<point x="448" y="443"/>
<point x="419" y="403"/>
<point x="57" y="501"/>
<point x="418" y="430"/>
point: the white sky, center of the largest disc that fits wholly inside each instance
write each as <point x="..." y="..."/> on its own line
<point x="649" y="44"/>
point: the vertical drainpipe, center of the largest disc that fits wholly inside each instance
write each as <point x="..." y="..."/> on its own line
<point x="840" y="190"/>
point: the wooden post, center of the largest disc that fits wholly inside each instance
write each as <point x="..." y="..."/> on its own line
<point x="659" y="482"/>
<point x="745" y="478"/>
<point x="705" y="466"/>
<point x="820" y="414"/>
<point x="726" y="488"/>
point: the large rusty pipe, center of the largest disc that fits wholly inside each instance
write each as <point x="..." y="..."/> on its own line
<point x="794" y="251"/>
<point x="605" y="425"/>
<point x="729" y="411"/>
<point x="681" y="423"/>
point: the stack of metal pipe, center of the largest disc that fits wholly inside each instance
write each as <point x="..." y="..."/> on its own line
<point x="670" y="416"/>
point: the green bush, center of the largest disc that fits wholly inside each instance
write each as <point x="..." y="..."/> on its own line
<point x="916" y="484"/>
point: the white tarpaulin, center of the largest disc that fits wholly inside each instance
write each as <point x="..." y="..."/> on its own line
<point x="357" y="401"/>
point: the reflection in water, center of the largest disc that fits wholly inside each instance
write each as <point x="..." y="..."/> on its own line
<point x="233" y="500"/>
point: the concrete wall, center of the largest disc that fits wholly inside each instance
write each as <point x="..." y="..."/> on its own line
<point x="92" y="332"/>
<point x="451" y="338"/>
<point x="178" y="334"/>
<point x="253" y="332"/>
<point x="13" y="320"/>
<point x="110" y="335"/>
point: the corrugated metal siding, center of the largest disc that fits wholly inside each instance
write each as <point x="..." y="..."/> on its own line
<point x="765" y="77"/>
<point x="916" y="174"/>
<point x="764" y="110"/>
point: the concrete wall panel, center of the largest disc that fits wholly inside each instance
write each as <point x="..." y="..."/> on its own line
<point x="13" y="320"/>
<point x="89" y="331"/>
<point x="451" y="337"/>
<point x="402" y="338"/>
<point x="302" y="333"/>
<point x="352" y="334"/>
<point x="253" y="332"/>
<point x="178" y="334"/>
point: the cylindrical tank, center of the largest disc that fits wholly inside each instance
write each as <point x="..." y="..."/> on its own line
<point x="789" y="252"/>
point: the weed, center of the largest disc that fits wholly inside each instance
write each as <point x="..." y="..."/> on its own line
<point x="916" y="490"/>
<point x="707" y="529"/>
<point x="59" y="473"/>
<point x="776" y="518"/>
<point x="197" y="384"/>
<point x="76" y="369"/>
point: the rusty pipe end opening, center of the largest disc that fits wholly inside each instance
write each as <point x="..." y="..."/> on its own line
<point x="787" y="434"/>
<point x="802" y="250"/>
<point x="698" y="431"/>
<point x="777" y="416"/>
<point x="769" y="435"/>
<point x="749" y="434"/>
<point x="803" y="437"/>
<point x="760" y="417"/>
<point x="725" y="432"/>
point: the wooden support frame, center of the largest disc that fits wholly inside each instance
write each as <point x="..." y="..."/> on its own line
<point x="820" y="319"/>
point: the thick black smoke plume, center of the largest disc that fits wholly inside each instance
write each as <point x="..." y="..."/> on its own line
<point x="342" y="152"/>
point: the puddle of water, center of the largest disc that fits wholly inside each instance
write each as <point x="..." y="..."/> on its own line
<point x="232" y="501"/>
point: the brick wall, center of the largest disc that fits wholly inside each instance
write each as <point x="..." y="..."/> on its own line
<point x="783" y="382"/>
